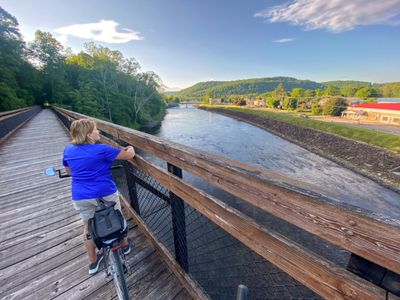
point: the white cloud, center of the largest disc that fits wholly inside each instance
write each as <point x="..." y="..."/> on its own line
<point x="103" y="31"/>
<point x="335" y="15"/>
<point x="285" y="40"/>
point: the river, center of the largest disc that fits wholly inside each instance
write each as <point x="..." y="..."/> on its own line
<point x="240" y="141"/>
<point x="213" y="253"/>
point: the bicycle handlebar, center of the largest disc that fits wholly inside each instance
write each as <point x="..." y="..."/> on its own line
<point x="65" y="175"/>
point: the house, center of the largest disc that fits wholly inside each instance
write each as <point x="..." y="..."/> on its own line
<point x="388" y="113"/>
<point x="216" y="100"/>
<point x="259" y="102"/>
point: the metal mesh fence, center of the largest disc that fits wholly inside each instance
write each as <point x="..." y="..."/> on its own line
<point x="215" y="259"/>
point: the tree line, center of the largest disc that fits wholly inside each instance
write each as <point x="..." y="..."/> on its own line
<point x="98" y="81"/>
<point x="298" y="88"/>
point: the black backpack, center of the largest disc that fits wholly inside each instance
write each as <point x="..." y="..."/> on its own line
<point x="107" y="223"/>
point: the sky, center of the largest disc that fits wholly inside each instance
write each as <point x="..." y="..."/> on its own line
<point x="188" y="41"/>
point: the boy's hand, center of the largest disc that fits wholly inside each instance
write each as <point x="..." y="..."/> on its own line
<point x="130" y="150"/>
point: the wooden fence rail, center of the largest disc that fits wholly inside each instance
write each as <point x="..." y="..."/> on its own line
<point x="372" y="237"/>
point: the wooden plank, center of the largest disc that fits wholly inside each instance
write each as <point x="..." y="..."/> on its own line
<point x="40" y="259"/>
<point x="169" y="287"/>
<point x="29" y="207"/>
<point x="192" y="287"/>
<point x="371" y="236"/>
<point x="16" y="280"/>
<point x="27" y="219"/>
<point x="392" y="297"/>
<point x="107" y="291"/>
<point x="13" y="255"/>
<point x="313" y="271"/>
<point x="182" y="295"/>
<point x="8" y="135"/>
<point x="156" y="286"/>
<point x="43" y="287"/>
<point x="172" y="292"/>
<point x="37" y="234"/>
<point x="15" y="231"/>
<point x="148" y="279"/>
<point x="14" y="111"/>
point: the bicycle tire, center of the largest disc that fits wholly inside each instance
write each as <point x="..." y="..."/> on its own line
<point x="118" y="275"/>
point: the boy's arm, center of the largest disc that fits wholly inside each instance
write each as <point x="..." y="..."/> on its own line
<point x="68" y="170"/>
<point x="126" y="153"/>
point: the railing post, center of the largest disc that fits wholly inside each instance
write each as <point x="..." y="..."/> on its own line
<point x="131" y="182"/>
<point x="179" y="223"/>
<point x="242" y="292"/>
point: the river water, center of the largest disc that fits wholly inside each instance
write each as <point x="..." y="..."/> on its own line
<point x="240" y="141"/>
<point x="212" y="252"/>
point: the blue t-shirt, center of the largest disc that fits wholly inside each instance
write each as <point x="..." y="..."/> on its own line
<point x="90" y="169"/>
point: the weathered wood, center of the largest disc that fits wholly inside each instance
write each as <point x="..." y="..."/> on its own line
<point x="146" y="258"/>
<point x="311" y="270"/>
<point x="5" y="116"/>
<point x="37" y="234"/>
<point x="35" y="263"/>
<point x="182" y="295"/>
<point x="14" y="111"/>
<point x="41" y="251"/>
<point x="191" y="286"/>
<point x="392" y="297"/>
<point x="371" y="236"/>
<point x="13" y="254"/>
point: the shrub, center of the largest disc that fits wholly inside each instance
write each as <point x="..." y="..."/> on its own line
<point x="316" y="109"/>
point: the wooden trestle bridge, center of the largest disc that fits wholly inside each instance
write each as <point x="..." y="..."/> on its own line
<point x="188" y="244"/>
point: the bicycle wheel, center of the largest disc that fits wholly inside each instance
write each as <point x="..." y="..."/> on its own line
<point x="118" y="275"/>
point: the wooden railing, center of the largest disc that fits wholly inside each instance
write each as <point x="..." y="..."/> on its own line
<point x="370" y="236"/>
<point x="11" y="121"/>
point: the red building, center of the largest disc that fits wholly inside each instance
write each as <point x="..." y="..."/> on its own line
<point x="388" y="113"/>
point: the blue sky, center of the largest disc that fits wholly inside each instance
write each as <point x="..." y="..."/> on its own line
<point x="190" y="41"/>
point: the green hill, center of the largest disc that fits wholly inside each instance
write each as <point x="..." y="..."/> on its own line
<point x="243" y="87"/>
<point x="347" y="83"/>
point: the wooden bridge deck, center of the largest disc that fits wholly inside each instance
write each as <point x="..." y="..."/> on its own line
<point x="41" y="251"/>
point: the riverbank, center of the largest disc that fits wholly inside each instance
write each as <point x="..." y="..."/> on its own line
<point x="371" y="161"/>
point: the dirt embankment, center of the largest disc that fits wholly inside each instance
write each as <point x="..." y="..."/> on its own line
<point x="370" y="161"/>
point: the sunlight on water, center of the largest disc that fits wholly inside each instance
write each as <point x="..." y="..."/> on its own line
<point x="243" y="142"/>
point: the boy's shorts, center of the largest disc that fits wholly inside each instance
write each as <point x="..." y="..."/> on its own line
<point x="87" y="207"/>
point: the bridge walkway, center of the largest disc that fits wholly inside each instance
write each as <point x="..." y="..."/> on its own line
<point x="41" y="251"/>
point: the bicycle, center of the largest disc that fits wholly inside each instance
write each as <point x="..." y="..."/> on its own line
<point x="112" y="249"/>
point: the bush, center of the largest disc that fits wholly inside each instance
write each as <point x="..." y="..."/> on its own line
<point x="240" y="102"/>
<point x="289" y="103"/>
<point x="334" y="106"/>
<point x="272" y="103"/>
<point x="316" y="109"/>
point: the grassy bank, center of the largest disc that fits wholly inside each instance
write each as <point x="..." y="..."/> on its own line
<point x="385" y="140"/>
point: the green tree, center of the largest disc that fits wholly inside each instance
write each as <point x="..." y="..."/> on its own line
<point x="289" y="103"/>
<point x="18" y="79"/>
<point x="334" y="106"/>
<point x="348" y="91"/>
<point x="316" y="108"/>
<point x="297" y="92"/>
<point x="272" y="102"/>
<point x="47" y="54"/>
<point x="332" y="91"/>
<point x="366" y="92"/>
<point x="391" y="90"/>
<point x="309" y="93"/>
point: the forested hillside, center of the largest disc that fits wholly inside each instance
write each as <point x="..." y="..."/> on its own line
<point x="243" y="87"/>
<point x="347" y="83"/>
<point x="266" y="87"/>
<point x="98" y="81"/>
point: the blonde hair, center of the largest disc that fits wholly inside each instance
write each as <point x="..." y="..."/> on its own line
<point x="80" y="129"/>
